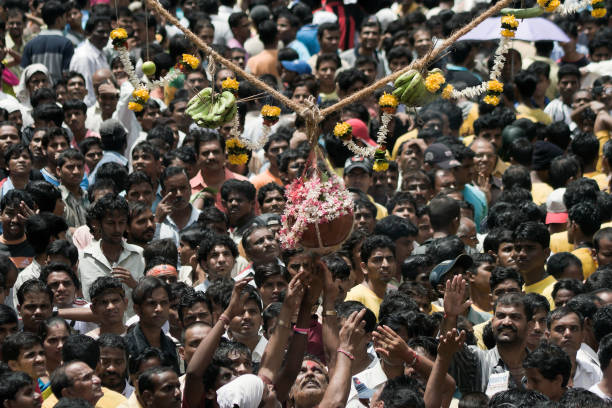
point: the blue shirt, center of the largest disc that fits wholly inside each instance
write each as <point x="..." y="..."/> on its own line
<point x="477" y="198"/>
<point x="307" y="35"/>
<point x="301" y="49"/>
<point x="51" y="179"/>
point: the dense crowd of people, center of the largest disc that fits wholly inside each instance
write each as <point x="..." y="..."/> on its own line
<point x="141" y="266"/>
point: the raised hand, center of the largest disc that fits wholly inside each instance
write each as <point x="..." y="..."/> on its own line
<point x="295" y="291"/>
<point x="25" y="212"/>
<point x="330" y="289"/>
<point x="125" y="276"/>
<point x="389" y="344"/>
<point x="352" y="331"/>
<point x="164" y="207"/>
<point x="450" y="343"/>
<point x="454" y="295"/>
<point x="236" y="304"/>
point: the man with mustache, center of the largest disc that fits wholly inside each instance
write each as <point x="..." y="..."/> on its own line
<point x="141" y="224"/>
<point x="245" y="326"/>
<point x="112" y="368"/>
<point x="159" y="387"/>
<point x="146" y="158"/>
<point x="511" y="316"/>
<point x="108" y="305"/>
<point x="310" y="384"/>
<point x="238" y="198"/>
<point x="174" y="213"/>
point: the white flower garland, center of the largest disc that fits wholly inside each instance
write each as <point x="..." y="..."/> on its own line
<point x="565" y="9"/>
<point x="124" y="56"/>
<point x="381" y="137"/>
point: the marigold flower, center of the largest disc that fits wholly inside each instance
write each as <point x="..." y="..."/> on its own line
<point x="495" y="86"/>
<point x="238" y="159"/>
<point x="135" y="106"/>
<point x="491" y="100"/>
<point x="343" y="131"/>
<point x="118" y="34"/>
<point x="507" y="33"/>
<point x="190" y="60"/>
<point x="141" y="95"/>
<point x="269" y="111"/>
<point x="434" y="81"/>
<point x="510" y="21"/>
<point x="598" y="12"/>
<point x="380" y="165"/>
<point x="230" y="84"/>
<point x="447" y="92"/>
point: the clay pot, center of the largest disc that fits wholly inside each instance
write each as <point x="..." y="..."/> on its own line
<point x="333" y="234"/>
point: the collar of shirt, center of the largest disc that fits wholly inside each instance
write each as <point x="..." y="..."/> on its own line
<point x="95" y="250"/>
<point x="51" y="32"/>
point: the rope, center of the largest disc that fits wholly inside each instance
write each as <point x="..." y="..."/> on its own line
<point x="418" y="64"/>
<point x="209" y="51"/>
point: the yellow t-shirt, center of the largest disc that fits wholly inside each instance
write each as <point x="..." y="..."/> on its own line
<point x="600" y="178"/>
<point x="110" y="399"/>
<point x="540" y="192"/>
<point x="478" y="331"/>
<point x="538" y="114"/>
<point x="589" y="265"/>
<point x="544" y="288"/>
<point x="603" y="136"/>
<point x="467" y="127"/>
<point x="365" y="296"/>
<point x="560" y="243"/>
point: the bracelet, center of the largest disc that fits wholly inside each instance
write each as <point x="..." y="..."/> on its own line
<point x="415" y="359"/>
<point x="300" y="331"/>
<point x="346" y="353"/>
<point x="282" y="323"/>
<point x="330" y="313"/>
<point x="224" y="319"/>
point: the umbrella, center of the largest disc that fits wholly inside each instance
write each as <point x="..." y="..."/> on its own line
<point x="529" y="29"/>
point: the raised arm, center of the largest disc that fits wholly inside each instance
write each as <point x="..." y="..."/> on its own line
<point x="454" y="302"/>
<point x="330" y="319"/>
<point x="299" y="342"/>
<point x="194" y="376"/>
<point x="274" y="353"/>
<point x="340" y="382"/>
<point x="440" y="385"/>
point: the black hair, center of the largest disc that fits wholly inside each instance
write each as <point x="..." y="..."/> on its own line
<point x="14" y="343"/>
<point x="113" y="171"/>
<point x="113" y="135"/>
<point x="109" y="204"/>
<point x="105" y="284"/>
<point x="534" y="232"/>
<point x="374" y="242"/>
<point x="348" y="77"/>
<point x="587" y="216"/>
<point x="10" y="384"/>
<point x="79" y="347"/>
<point x="137" y="359"/>
<point x="395" y="227"/>
<point x="33" y="286"/>
<point x="161" y="248"/>
<point x="525" y="83"/>
<point x="515" y="299"/>
<point x="411" y="265"/>
<point x="265" y="270"/>
<point x="580" y="190"/>
<point x="213" y="239"/>
<point x="400" y="197"/>
<point x="246" y="188"/>
<point x="190" y="298"/>
<point x="537" y="302"/>
<point x="561" y="312"/>
<point x="37" y="233"/>
<point x="586" y="147"/>
<point x="147" y="147"/>
<point x="136" y="178"/>
<point x="265" y="189"/>
<point x="573" y="285"/>
<point x="345" y="309"/>
<point x="15" y="150"/>
<point x="7" y="315"/>
<point x="562" y="169"/>
<point x="584" y="303"/>
<point x="100" y="184"/>
<point x="516" y="397"/>
<point x="365" y="203"/>
<point x="550" y="361"/>
<point x="75" y="104"/>
<point x="516" y="176"/>
<point x="268" y="32"/>
<point x="51" y="11"/>
<point x="495" y="238"/>
<point x="145" y="288"/>
<point x="556" y="264"/>
<point x="171" y="172"/>
<point x="442" y="211"/>
<point x="605" y="233"/>
<point x="337" y="266"/>
<point x="401" y="392"/>
<point x="442" y="249"/>
<point x="66" y="402"/>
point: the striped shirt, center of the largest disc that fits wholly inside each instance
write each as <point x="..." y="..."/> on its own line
<point x="51" y="49"/>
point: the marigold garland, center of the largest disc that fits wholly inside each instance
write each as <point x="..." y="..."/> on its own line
<point x="434" y="82"/>
<point x="447" y="92"/>
<point x="388" y="103"/>
<point x="230" y="84"/>
<point x="491" y="100"/>
<point x="343" y="131"/>
<point x="599" y="8"/>
<point x="380" y="160"/>
<point x="119" y="37"/>
<point x="135" y="106"/>
<point x="270" y="114"/>
<point x="187" y="63"/>
<point x="494" y="89"/>
<point x="549" y="5"/>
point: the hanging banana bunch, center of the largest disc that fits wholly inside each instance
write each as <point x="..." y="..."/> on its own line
<point x="212" y="111"/>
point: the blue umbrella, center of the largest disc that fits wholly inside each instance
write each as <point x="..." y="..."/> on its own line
<point x="529" y="29"/>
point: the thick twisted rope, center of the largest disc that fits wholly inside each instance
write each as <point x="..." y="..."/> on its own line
<point x="305" y="111"/>
<point x="418" y="64"/>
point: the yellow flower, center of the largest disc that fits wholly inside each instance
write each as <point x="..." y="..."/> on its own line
<point x="190" y="60"/>
<point x="549" y="5"/>
<point x="135" y="106"/>
<point x="233" y="143"/>
<point x="495" y="86"/>
<point x="342" y="129"/>
<point x="447" y="92"/>
<point x="388" y="100"/>
<point x="598" y="12"/>
<point x="238" y="158"/>
<point x="434" y="81"/>
<point x="380" y="165"/>
<point x="510" y="21"/>
<point x="118" y="34"/>
<point x="507" y="33"/>
<point x="491" y="100"/>
<point x="141" y="94"/>
<point x="230" y="83"/>
<point x="270" y="111"/>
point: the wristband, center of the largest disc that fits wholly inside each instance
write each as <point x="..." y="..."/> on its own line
<point x="224" y="319"/>
<point x="300" y="331"/>
<point x="415" y="359"/>
<point x="330" y="313"/>
<point x="346" y="353"/>
<point x="282" y="323"/>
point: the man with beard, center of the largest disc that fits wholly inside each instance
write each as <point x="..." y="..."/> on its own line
<point x="260" y="245"/>
<point x="565" y="327"/>
<point x="511" y="314"/>
<point x="379" y="268"/>
<point x="141" y="224"/>
<point x="238" y="198"/>
<point x="210" y="149"/>
<point x="174" y="213"/>
<point x="310" y="384"/>
<point x="112" y="368"/>
<point x="151" y="299"/>
<point x="159" y="387"/>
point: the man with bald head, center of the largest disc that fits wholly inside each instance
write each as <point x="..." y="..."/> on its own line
<point x="77" y="380"/>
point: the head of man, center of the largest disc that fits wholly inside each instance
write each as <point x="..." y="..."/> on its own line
<point x="602" y="242"/>
<point x="511" y="316"/>
<point x="271" y="198"/>
<point x="311" y="383"/>
<point x="245" y="326"/>
<point x="364" y="213"/>
<point x="378" y="261"/>
<point x="210" y="150"/>
<point x="112" y="369"/>
<point x="260" y="244"/>
<point x="548" y="370"/>
<point x="12" y="215"/>
<point x="141" y="224"/>
<point x="108" y="301"/>
<point x="217" y="255"/>
<point x="193" y="335"/>
<point x="24" y="352"/>
<point x="176" y="188"/>
<point x="151" y="299"/>
<point x="358" y="173"/>
<point x="62" y="281"/>
<point x="565" y="329"/>
<point x="531" y="249"/>
<point x="538" y="330"/>
<point x="111" y="212"/>
<point x="35" y="304"/>
<point x="238" y="198"/>
<point x="401" y="231"/>
<point x="17" y="390"/>
<point x="418" y="184"/>
<point x="271" y="280"/>
<point x="77" y="380"/>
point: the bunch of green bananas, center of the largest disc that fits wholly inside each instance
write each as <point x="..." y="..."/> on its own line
<point x="212" y="112"/>
<point x="410" y="88"/>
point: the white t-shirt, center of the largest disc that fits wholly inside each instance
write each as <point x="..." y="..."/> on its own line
<point x="597" y="391"/>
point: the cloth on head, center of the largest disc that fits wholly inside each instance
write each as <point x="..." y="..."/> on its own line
<point x="245" y="391"/>
<point x="544" y="153"/>
<point x="10" y="105"/>
<point x="556" y="213"/>
<point x="162" y="270"/>
<point x="21" y="91"/>
<point x="361" y="132"/>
